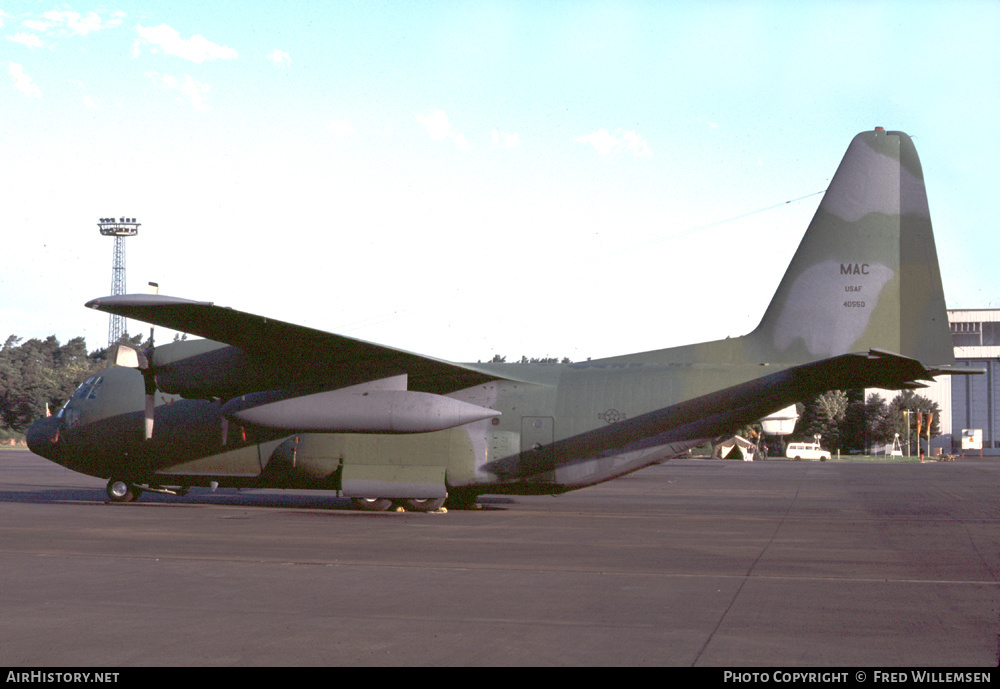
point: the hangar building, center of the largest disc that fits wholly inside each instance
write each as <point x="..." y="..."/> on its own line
<point x="968" y="402"/>
<point x="975" y="334"/>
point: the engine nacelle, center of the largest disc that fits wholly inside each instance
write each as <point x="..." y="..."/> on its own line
<point x="206" y="369"/>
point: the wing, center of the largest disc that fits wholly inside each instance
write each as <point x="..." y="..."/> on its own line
<point x="303" y="357"/>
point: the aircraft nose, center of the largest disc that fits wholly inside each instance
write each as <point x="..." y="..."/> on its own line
<point x="43" y="436"/>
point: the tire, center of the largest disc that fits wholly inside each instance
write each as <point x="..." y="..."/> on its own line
<point x="120" y="490"/>
<point x="371" y="504"/>
<point x="422" y="504"/>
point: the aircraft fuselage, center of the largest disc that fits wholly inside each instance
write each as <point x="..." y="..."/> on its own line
<point x="551" y="436"/>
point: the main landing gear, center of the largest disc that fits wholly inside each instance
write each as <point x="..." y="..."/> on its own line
<point x="408" y="504"/>
<point x="122" y="490"/>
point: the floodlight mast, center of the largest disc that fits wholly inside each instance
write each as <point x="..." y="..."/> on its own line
<point x="119" y="229"/>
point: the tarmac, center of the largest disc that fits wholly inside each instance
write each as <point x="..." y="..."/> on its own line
<point x="690" y="563"/>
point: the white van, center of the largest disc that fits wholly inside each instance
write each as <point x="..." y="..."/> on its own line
<point x="806" y="451"/>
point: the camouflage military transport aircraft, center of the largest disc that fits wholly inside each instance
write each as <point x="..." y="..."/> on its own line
<point x="264" y="403"/>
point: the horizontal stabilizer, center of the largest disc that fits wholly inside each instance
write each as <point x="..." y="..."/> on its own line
<point x="781" y="422"/>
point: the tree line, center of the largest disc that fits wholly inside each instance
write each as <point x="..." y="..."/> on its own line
<point x="848" y="421"/>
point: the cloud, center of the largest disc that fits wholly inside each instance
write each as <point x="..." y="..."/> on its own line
<point x="280" y="57"/>
<point x="28" y="39"/>
<point x="439" y="128"/>
<point x="189" y="87"/>
<point x="606" y="143"/>
<point x="62" y="23"/>
<point x="505" y="140"/>
<point x="436" y="123"/>
<point x="636" y="145"/>
<point x="195" y="49"/>
<point x="22" y="82"/>
<point x="75" y="22"/>
<point x="602" y="142"/>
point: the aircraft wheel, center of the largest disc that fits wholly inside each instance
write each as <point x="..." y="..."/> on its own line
<point x="422" y="505"/>
<point x="120" y="490"/>
<point x="371" y="504"/>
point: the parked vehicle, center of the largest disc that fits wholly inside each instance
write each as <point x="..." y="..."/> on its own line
<point x="806" y="451"/>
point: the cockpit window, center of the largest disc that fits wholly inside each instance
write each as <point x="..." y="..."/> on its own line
<point x="89" y="388"/>
<point x="70" y="417"/>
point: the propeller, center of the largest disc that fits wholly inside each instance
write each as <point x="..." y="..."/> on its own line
<point x="149" y="380"/>
<point x="148" y="377"/>
<point x="130" y="357"/>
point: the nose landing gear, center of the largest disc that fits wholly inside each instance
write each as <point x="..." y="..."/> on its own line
<point x="120" y="490"/>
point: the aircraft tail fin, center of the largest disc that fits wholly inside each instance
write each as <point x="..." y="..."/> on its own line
<point x="865" y="275"/>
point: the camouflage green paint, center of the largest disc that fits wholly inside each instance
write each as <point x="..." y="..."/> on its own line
<point x="861" y="304"/>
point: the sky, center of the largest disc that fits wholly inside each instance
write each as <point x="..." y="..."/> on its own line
<point x="464" y="179"/>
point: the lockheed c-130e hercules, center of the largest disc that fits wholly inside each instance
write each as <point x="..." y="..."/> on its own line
<point x="263" y="403"/>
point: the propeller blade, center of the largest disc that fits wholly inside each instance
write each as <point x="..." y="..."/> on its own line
<point x="149" y="382"/>
<point x="150" y="404"/>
